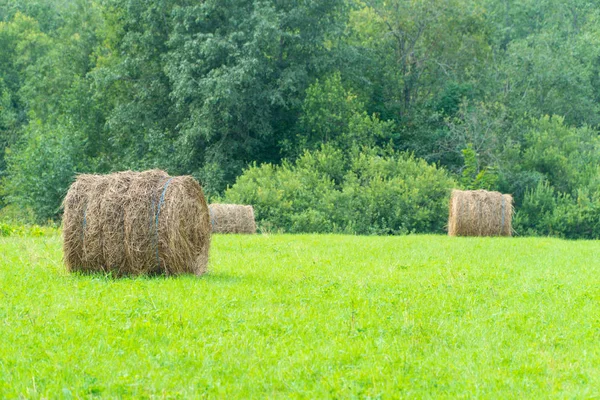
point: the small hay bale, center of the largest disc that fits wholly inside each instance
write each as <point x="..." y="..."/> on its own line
<point x="136" y="223"/>
<point x="232" y="218"/>
<point x="480" y="213"/>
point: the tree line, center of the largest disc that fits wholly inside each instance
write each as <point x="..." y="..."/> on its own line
<point x="361" y="99"/>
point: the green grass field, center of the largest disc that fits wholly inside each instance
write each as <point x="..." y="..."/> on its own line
<point x="309" y="316"/>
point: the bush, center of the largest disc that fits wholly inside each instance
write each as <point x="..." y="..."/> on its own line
<point x="547" y="212"/>
<point x="567" y="156"/>
<point x="41" y="168"/>
<point x="26" y="230"/>
<point x="535" y="215"/>
<point x="13" y="214"/>
<point x="365" y="192"/>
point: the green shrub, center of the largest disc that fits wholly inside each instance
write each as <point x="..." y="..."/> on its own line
<point x="567" y="156"/>
<point x="41" y="168"/>
<point x="5" y="229"/>
<point x="546" y="212"/>
<point x="555" y="180"/>
<point x="365" y="192"/>
<point x="535" y="215"/>
<point x="26" y="230"/>
<point x="13" y="214"/>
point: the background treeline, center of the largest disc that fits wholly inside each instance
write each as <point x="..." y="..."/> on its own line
<point x="328" y="116"/>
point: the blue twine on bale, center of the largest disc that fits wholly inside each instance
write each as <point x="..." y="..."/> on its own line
<point x="212" y="218"/>
<point x="160" y="203"/>
<point x="503" y="206"/>
<point x="84" y="222"/>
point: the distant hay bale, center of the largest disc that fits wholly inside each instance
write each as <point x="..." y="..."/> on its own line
<point x="232" y="218"/>
<point x="135" y="223"/>
<point x="480" y="213"/>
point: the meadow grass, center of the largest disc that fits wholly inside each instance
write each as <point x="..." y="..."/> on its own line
<point x="309" y="316"/>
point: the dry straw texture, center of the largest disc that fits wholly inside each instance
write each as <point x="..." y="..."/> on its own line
<point x="480" y="213"/>
<point x="133" y="223"/>
<point x="232" y="218"/>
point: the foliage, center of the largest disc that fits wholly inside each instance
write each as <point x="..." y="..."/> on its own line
<point x="503" y="95"/>
<point x="566" y="200"/>
<point x="473" y="176"/>
<point x="547" y="212"/>
<point x="15" y="215"/>
<point x="26" y="230"/>
<point x="333" y="115"/>
<point x="364" y="192"/>
<point x="42" y="168"/>
<point x="567" y="157"/>
<point x="239" y="71"/>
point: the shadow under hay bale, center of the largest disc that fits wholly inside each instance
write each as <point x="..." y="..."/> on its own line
<point x="135" y="223"/>
<point x="480" y="213"/>
<point x="232" y="218"/>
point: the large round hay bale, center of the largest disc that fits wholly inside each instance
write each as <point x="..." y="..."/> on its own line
<point x="133" y="223"/>
<point x="480" y="213"/>
<point x="232" y="218"/>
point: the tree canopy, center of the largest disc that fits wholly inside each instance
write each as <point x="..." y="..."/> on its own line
<point x="502" y="95"/>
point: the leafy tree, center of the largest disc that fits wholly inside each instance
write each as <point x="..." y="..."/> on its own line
<point x="331" y="114"/>
<point x="473" y="175"/>
<point x="569" y="158"/>
<point x="239" y="71"/>
<point x="22" y="44"/>
<point x="425" y="54"/>
<point x="41" y="168"/>
<point x="208" y="88"/>
<point x="134" y="123"/>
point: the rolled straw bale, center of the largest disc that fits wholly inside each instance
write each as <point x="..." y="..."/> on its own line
<point x="133" y="223"/>
<point x="480" y="213"/>
<point x="232" y="218"/>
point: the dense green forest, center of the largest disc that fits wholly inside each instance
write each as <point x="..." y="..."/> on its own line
<point x="328" y="116"/>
